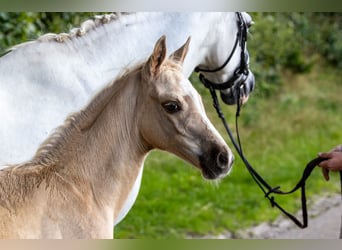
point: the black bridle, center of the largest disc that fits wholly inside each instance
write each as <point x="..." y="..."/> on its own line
<point x="267" y="189"/>
<point x="239" y="77"/>
<point x="241" y="73"/>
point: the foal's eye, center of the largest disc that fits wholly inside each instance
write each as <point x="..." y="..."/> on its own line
<point x="172" y="107"/>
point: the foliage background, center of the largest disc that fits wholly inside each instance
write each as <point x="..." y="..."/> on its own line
<point x="294" y="112"/>
<point x="297" y="38"/>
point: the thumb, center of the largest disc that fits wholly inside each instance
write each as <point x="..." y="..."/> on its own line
<point x="325" y="155"/>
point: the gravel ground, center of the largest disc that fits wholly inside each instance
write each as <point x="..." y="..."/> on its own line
<point x="324" y="223"/>
<point x="325" y="218"/>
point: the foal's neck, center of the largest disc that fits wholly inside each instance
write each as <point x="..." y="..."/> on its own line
<point x="107" y="152"/>
<point x="112" y="147"/>
<point x="112" y="133"/>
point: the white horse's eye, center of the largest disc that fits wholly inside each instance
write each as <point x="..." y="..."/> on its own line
<point x="172" y="107"/>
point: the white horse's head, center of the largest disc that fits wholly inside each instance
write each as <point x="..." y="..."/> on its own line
<point x="229" y="60"/>
<point x="173" y="117"/>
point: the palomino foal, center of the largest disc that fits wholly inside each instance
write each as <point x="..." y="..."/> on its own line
<point x="70" y="189"/>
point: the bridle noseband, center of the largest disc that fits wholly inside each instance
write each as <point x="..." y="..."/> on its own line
<point x="241" y="73"/>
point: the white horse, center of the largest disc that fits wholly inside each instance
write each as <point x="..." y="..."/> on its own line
<point x="44" y="80"/>
<point x="78" y="181"/>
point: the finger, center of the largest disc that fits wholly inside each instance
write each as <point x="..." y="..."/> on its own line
<point x="325" y="155"/>
<point x="324" y="164"/>
<point x="325" y="174"/>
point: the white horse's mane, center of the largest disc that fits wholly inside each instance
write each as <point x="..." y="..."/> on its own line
<point x="84" y="28"/>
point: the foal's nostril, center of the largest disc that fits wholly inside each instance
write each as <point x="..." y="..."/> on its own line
<point x="222" y="160"/>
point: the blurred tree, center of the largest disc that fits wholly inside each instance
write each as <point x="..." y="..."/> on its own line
<point x="292" y="41"/>
<point x="18" y="27"/>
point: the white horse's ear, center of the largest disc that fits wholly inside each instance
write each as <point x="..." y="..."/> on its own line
<point x="152" y="66"/>
<point x="180" y="54"/>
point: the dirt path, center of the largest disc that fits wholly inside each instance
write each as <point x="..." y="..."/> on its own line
<point x="325" y="218"/>
<point x="325" y="226"/>
<point x="324" y="223"/>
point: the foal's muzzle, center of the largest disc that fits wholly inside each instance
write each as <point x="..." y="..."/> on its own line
<point x="216" y="163"/>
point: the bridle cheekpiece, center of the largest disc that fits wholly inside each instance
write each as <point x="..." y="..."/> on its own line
<point x="241" y="73"/>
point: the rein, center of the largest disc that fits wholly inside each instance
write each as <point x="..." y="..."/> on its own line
<point x="264" y="186"/>
<point x="239" y="77"/>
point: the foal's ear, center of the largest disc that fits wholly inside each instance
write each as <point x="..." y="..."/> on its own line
<point x="180" y="54"/>
<point x="157" y="58"/>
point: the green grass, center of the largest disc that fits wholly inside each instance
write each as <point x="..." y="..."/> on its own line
<point x="280" y="135"/>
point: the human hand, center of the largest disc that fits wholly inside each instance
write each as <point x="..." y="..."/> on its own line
<point x="333" y="162"/>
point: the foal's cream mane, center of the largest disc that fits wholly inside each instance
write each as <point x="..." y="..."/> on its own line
<point x="51" y="149"/>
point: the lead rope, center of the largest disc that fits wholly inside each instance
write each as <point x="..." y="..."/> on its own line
<point x="264" y="186"/>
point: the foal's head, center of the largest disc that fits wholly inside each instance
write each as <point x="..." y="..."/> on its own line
<point x="173" y="117"/>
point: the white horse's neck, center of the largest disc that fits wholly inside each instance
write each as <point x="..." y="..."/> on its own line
<point x="62" y="76"/>
<point x="105" y="50"/>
